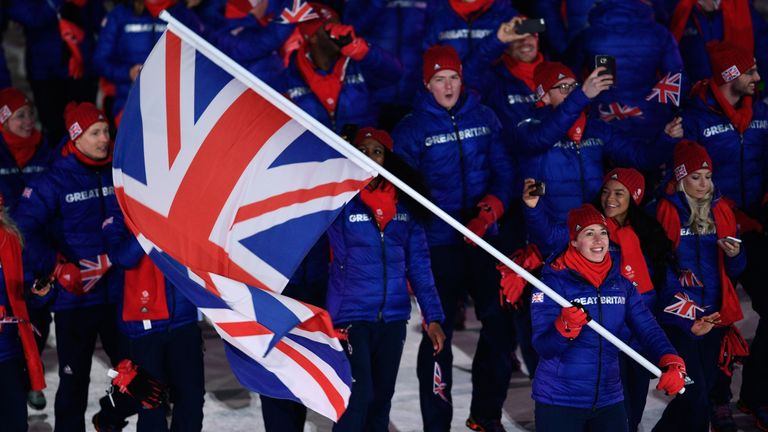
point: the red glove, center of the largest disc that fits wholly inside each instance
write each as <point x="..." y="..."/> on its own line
<point x="570" y="321"/>
<point x="72" y="35"/>
<point x="129" y="378"/>
<point x="491" y="210"/>
<point x="344" y="36"/>
<point x="68" y="276"/>
<point x="673" y="378"/>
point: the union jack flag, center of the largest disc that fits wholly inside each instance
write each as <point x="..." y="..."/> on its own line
<point x="617" y="111"/>
<point x="438" y="386"/>
<point x="537" y="297"/>
<point x="300" y="11"/>
<point x="684" y="307"/>
<point x="667" y="90"/>
<point x="227" y="193"/>
<point x="92" y="271"/>
<point x="689" y="279"/>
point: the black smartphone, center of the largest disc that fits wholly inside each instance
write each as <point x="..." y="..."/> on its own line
<point x="531" y="25"/>
<point x="609" y="63"/>
<point x="539" y="188"/>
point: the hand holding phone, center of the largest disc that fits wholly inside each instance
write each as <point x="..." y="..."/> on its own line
<point x="539" y="188"/>
<point x="608" y="63"/>
<point x="531" y="25"/>
<point x="733" y="239"/>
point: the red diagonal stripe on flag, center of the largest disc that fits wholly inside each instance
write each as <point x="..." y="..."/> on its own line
<point x="173" y="94"/>
<point x="244" y="328"/>
<point x="298" y="196"/>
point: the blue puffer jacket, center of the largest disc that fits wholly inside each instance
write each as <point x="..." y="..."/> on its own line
<point x="398" y="27"/>
<point x="584" y="372"/>
<point x="371" y="269"/>
<point x="702" y="28"/>
<point x="739" y="159"/>
<point x="13" y="179"/>
<point x="460" y="155"/>
<point x="697" y="253"/>
<point x="377" y="69"/>
<point x="126" y="39"/>
<point x="644" y="51"/>
<point x="574" y="173"/>
<point x="47" y="57"/>
<point x="10" y="344"/>
<point x="63" y="211"/>
<point x="446" y="27"/>
<point x="125" y="253"/>
<point x="562" y="29"/>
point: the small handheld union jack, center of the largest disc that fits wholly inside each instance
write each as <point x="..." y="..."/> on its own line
<point x="617" y="111"/>
<point x="684" y="307"/>
<point x="689" y="279"/>
<point x="92" y="271"/>
<point x="438" y="386"/>
<point x="667" y="90"/>
<point x="299" y="12"/>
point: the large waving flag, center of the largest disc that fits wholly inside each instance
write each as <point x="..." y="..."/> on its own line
<point x="227" y="193"/>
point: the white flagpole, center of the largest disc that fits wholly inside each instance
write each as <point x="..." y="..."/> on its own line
<point x="346" y="149"/>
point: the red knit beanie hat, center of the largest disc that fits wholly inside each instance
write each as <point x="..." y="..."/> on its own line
<point x="440" y="57"/>
<point x="631" y="179"/>
<point x="582" y="217"/>
<point x="547" y="74"/>
<point x="79" y="117"/>
<point x="689" y="157"/>
<point x="324" y="14"/>
<point x="728" y="61"/>
<point x="11" y="99"/>
<point x="381" y="136"/>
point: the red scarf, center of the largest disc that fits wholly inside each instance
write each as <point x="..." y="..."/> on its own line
<point x="10" y="257"/>
<point x="22" y="149"/>
<point x="382" y="202"/>
<point x="594" y="273"/>
<point x="737" y="21"/>
<point x="70" y="148"/>
<point x="325" y="87"/>
<point x="725" y="223"/>
<point x="521" y="70"/>
<point x="577" y="129"/>
<point x="633" y="265"/>
<point x="740" y="118"/>
<point x="470" y="11"/>
<point x="158" y="6"/>
<point x="144" y="293"/>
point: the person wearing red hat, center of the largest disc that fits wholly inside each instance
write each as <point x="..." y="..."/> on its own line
<point x="695" y="23"/>
<point x="24" y="155"/>
<point x="60" y="215"/>
<point x="725" y="116"/>
<point x="378" y="241"/>
<point x="564" y="146"/>
<point x="577" y="385"/>
<point x="454" y="141"/>
<point x="642" y="245"/>
<point x="331" y="71"/>
<point x="698" y="303"/>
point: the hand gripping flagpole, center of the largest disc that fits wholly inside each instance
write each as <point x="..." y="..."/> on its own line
<point x="343" y="147"/>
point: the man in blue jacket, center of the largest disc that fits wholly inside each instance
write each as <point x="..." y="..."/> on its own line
<point x="454" y="142"/>
<point x="723" y="116"/>
<point x="62" y="211"/>
<point x="566" y="148"/>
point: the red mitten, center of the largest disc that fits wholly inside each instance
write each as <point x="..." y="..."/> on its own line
<point x="673" y="378"/>
<point x="130" y="379"/>
<point x="570" y="321"/>
<point x="357" y="49"/>
<point x="344" y="36"/>
<point x="491" y="210"/>
<point x="512" y="284"/>
<point x="72" y="35"/>
<point x="68" y="276"/>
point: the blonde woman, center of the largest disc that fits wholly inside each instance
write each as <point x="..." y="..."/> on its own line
<point x="699" y="299"/>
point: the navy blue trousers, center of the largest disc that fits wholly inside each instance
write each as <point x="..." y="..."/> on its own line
<point x="374" y="350"/>
<point x="13" y="395"/>
<point x="174" y="357"/>
<point x="554" y="418"/>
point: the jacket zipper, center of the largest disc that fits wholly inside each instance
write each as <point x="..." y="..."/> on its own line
<point x="698" y="266"/>
<point x="461" y="163"/>
<point x="584" y="197"/>
<point x="384" y="263"/>
<point x="599" y="349"/>
<point x="741" y="171"/>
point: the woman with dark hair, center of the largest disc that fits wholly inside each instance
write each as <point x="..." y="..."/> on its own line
<point x="577" y="385"/>
<point x="645" y="253"/>
<point x="378" y="248"/>
<point x="699" y="299"/>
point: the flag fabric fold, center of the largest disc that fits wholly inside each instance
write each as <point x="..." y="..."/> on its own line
<point x="227" y="193"/>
